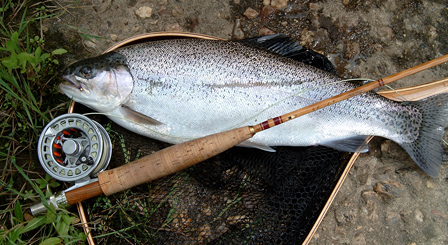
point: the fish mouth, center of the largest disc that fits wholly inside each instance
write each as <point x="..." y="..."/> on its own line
<point x="71" y="82"/>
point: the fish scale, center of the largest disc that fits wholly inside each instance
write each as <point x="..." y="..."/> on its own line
<point x="188" y="88"/>
<point x="209" y="97"/>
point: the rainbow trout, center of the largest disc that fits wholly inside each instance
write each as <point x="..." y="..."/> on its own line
<point x="178" y="90"/>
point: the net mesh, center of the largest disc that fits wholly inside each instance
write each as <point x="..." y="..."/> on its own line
<point x="240" y="196"/>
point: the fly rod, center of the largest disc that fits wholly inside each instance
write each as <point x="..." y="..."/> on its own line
<point x="187" y="154"/>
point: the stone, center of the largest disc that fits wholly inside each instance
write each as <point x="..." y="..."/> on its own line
<point x="430" y="185"/>
<point x="353" y="50"/>
<point x="267" y="12"/>
<point x="418" y="216"/>
<point x="163" y="11"/>
<point x="250" y="13"/>
<point x="279" y="4"/>
<point x="89" y="44"/>
<point x="144" y="12"/>
<point x="238" y="33"/>
<point x="388" y="189"/>
<point x="316" y="6"/>
<point x="174" y="27"/>
<point x="177" y="11"/>
<point x="113" y="37"/>
<point x="265" y="31"/>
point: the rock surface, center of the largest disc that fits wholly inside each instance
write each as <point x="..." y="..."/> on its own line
<point x="385" y="199"/>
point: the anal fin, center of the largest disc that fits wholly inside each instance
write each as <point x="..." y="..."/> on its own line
<point x="350" y="144"/>
<point x="258" y="146"/>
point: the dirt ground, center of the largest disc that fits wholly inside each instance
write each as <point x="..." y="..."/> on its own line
<point x="385" y="199"/>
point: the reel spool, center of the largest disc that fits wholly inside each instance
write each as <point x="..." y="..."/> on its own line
<point x="73" y="147"/>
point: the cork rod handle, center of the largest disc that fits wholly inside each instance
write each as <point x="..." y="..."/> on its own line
<point x="170" y="160"/>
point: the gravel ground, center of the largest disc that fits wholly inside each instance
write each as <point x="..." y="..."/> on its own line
<point x="385" y="199"/>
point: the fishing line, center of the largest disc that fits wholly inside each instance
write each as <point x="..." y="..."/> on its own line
<point x="389" y="87"/>
<point x="139" y="124"/>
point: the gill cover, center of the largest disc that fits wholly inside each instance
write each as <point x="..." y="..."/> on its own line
<point x="102" y="83"/>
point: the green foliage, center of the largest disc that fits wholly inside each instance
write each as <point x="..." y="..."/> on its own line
<point x="27" y="103"/>
<point x="24" y="70"/>
<point x="28" y="59"/>
<point x="55" y="227"/>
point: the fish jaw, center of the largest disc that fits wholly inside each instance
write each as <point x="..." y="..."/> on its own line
<point x="106" y="91"/>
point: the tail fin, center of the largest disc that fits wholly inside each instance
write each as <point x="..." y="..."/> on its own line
<point x="427" y="150"/>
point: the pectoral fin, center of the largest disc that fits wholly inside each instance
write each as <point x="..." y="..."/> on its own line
<point x="137" y="117"/>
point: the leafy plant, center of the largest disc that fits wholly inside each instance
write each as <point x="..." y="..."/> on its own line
<point x="27" y="102"/>
<point x="55" y="227"/>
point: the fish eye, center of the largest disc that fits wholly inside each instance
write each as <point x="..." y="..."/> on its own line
<point x="85" y="71"/>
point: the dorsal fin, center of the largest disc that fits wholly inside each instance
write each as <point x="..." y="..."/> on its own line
<point x="289" y="47"/>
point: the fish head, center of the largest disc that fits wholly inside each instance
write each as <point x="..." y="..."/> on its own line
<point x="102" y="83"/>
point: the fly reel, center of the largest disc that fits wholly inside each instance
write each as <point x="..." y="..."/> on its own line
<point x="73" y="147"/>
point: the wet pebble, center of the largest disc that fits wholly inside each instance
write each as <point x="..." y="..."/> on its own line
<point x="388" y="189"/>
<point x="174" y="27"/>
<point x="163" y="11"/>
<point x="177" y="11"/>
<point x="320" y="39"/>
<point x="316" y="6"/>
<point x="377" y="47"/>
<point x="265" y="31"/>
<point x="144" y="12"/>
<point x="267" y="12"/>
<point x="430" y="185"/>
<point x="89" y="44"/>
<point x="279" y="4"/>
<point x="250" y="13"/>
<point x="385" y="33"/>
<point x="345" y="215"/>
<point x="353" y="49"/>
<point x="385" y="146"/>
<point x="113" y="37"/>
<point x="432" y="32"/>
<point x="418" y="215"/>
<point x="237" y="33"/>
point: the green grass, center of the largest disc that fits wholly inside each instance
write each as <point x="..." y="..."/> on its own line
<point x="27" y="104"/>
